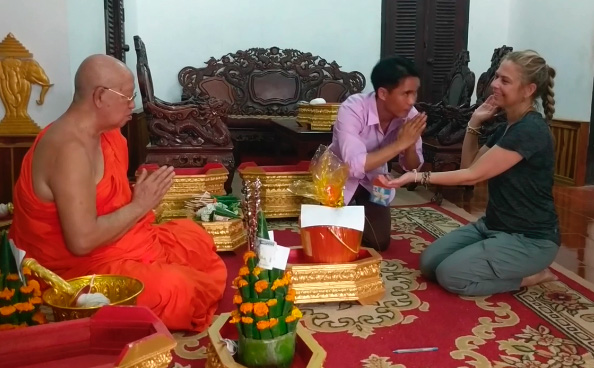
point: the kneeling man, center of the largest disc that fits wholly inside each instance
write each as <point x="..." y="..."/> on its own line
<point x="370" y="130"/>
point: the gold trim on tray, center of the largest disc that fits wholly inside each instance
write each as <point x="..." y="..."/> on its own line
<point x="228" y="235"/>
<point x="359" y="280"/>
<point x="172" y="207"/>
<point x="277" y="201"/>
<point x="217" y="355"/>
<point x="151" y="352"/>
<point x="190" y="185"/>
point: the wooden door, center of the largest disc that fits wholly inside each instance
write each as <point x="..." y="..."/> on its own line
<point x="429" y="32"/>
<point x="115" y="37"/>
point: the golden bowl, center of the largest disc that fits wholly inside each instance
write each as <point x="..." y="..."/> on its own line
<point x="120" y="290"/>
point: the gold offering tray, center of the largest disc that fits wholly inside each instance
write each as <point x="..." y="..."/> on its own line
<point x="317" y="117"/>
<point x="276" y="200"/>
<point x="171" y="208"/>
<point x="308" y="353"/>
<point x="228" y="235"/>
<point x="192" y="181"/>
<point x="359" y="280"/>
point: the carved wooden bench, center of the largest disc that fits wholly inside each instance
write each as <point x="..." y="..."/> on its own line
<point x="262" y="84"/>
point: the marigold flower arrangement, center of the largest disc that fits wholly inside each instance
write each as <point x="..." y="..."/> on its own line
<point x="264" y="300"/>
<point x="19" y="302"/>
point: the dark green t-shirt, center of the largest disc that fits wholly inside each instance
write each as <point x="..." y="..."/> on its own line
<point x="521" y="198"/>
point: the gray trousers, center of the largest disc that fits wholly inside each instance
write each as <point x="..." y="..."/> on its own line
<point x="474" y="260"/>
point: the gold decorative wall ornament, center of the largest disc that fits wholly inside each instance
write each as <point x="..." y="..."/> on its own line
<point x="18" y="71"/>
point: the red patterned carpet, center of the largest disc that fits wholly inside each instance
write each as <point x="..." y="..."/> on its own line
<point x="547" y="326"/>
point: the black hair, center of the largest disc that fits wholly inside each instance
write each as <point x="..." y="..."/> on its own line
<point x="390" y="71"/>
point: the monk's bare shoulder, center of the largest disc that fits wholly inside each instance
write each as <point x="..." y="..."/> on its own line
<point x="59" y="158"/>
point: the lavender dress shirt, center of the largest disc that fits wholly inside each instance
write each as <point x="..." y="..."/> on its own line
<point x="356" y="132"/>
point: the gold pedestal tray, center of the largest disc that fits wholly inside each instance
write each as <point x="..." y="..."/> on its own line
<point x="317" y="117"/>
<point x="171" y="208"/>
<point x="276" y="200"/>
<point x="308" y="353"/>
<point x="228" y="235"/>
<point x="359" y="280"/>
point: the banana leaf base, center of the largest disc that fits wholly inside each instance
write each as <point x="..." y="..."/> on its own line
<point x="307" y="352"/>
<point x="275" y="353"/>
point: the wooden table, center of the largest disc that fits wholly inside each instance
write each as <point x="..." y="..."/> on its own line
<point x="304" y="141"/>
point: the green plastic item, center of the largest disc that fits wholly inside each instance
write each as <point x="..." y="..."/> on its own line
<point x="262" y="226"/>
<point x="221" y="210"/>
<point x="7" y="263"/>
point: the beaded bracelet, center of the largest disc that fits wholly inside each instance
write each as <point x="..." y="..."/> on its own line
<point x="473" y="131"/>
<point x="425" y="179"/>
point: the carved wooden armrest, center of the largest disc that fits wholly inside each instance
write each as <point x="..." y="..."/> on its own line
<point x="188" y="125"/>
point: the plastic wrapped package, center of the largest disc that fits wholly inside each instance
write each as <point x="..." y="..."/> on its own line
<point x="330" y="233"/>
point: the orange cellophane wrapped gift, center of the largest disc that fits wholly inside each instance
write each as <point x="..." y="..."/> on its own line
<point x="330" y="233"/>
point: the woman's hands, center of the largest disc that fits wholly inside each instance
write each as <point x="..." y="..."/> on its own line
<point x="484" y="112"/>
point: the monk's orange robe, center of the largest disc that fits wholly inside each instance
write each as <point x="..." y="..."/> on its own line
<point x="183" y="277"/>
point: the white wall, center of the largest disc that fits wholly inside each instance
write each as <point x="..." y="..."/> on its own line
<point x="190" y="32"/>
<point x="487" y="30"/>
<point x="86" y="31"/>
<point x="59" y="34"/>
<point x="561" y="33"/>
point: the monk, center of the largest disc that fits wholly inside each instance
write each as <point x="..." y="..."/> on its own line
<point x="76" y="214"/>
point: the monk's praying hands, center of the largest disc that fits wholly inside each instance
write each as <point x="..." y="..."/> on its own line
<point x="151" y="188"/>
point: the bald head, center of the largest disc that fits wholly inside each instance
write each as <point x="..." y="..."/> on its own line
<point x="99" y="71"/>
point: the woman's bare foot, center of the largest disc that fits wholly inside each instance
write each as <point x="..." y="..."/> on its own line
<point x="543" y="276"/>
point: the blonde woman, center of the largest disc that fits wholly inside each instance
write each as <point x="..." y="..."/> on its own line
<point x="518" y="238"/>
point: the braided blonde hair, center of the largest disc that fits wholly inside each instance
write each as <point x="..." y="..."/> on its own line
<point x="535" y="70"/>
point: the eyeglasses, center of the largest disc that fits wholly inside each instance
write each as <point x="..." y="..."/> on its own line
<point x="124" y="96"/>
